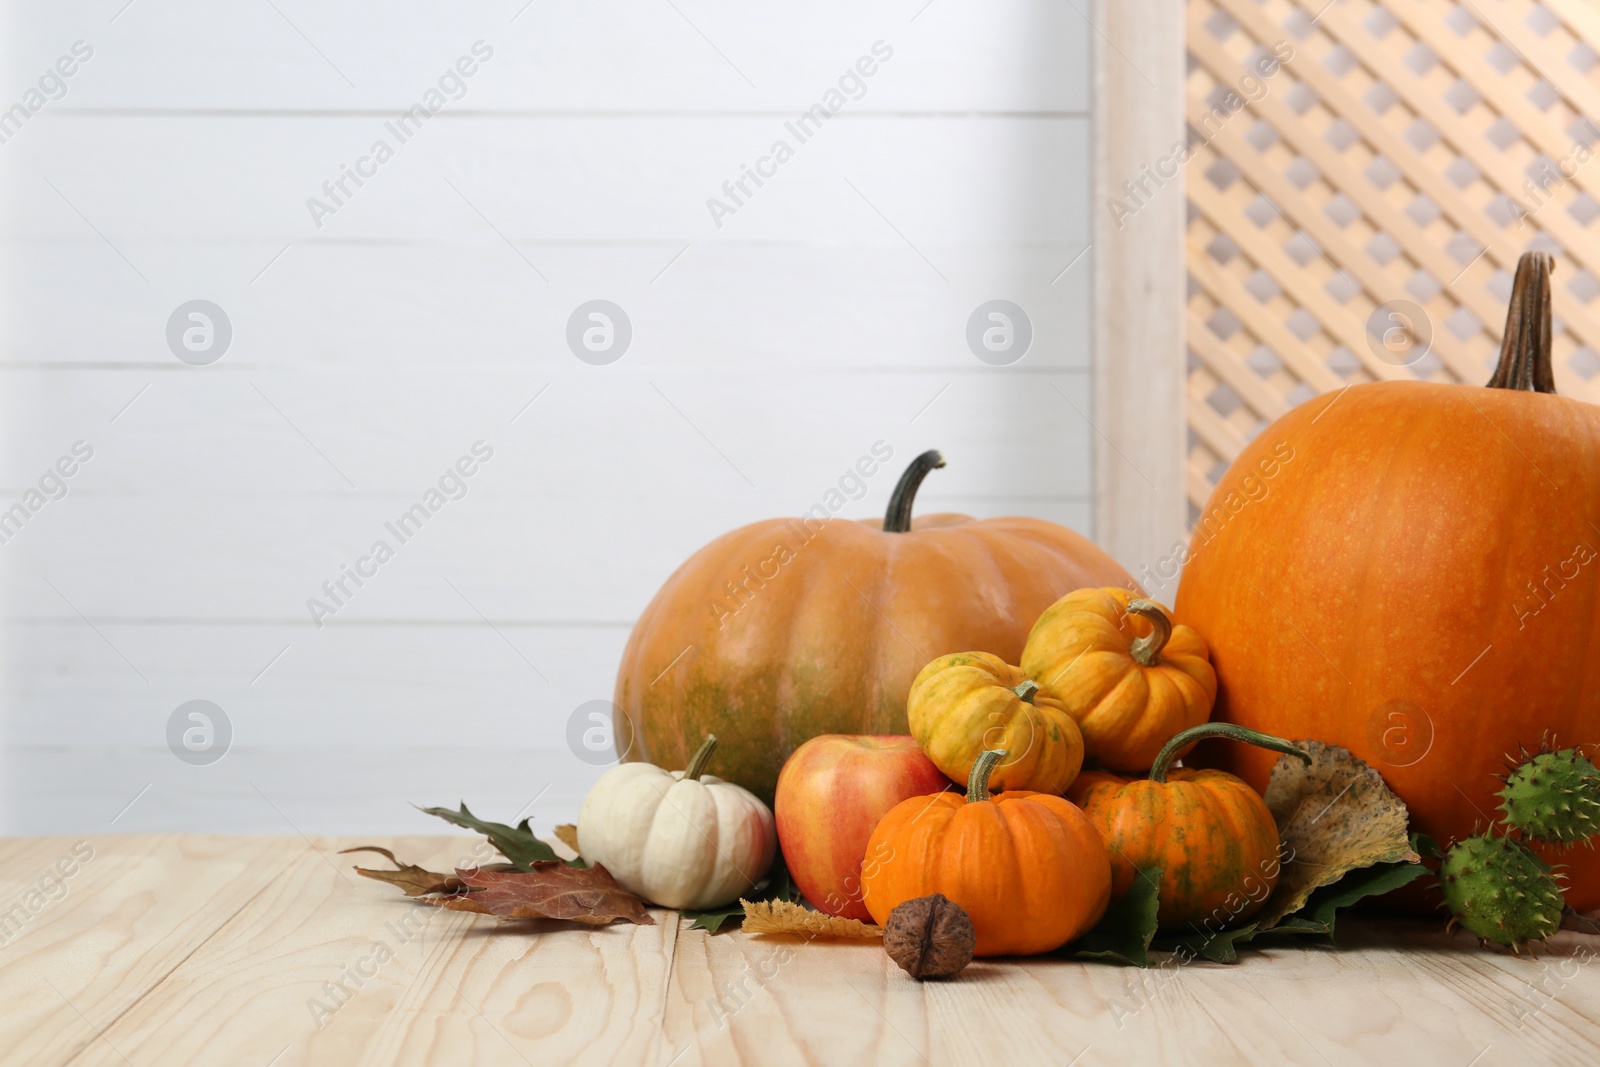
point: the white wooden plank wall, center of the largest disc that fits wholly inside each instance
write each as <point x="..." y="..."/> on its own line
<point x="828" y="312"/>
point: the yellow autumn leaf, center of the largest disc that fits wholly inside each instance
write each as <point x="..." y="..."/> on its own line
<point x="1334" y="815"/>
<point x="784" y="917"/>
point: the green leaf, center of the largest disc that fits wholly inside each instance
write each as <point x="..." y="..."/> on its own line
<point x="1423" y="845"/>
<point x="516" y="843"/>
<point x="777" y="886"/>
<point x="1315" y="919"/>
<point x="1222" y="946"/>
<point x="1219" y="946"/>
<point x="714" y="919"/>
<point x="1296" y="924"/>
<point x="1124" y="933"/>
<point x="1356" y="886"/>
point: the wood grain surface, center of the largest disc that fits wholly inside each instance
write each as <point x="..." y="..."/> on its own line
<point x="246" y="951"/>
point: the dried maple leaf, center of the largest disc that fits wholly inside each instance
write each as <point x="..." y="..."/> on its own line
<point x="786" y="917"/>
<point x="414" y="881"/>
<point x="548" y="890"/>
<point x="567" y="834"/>
<point x="1334" y="815"/>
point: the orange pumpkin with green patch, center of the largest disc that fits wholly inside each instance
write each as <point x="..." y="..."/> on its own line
<point x="1209" y="832"/>
<point x="790" y="628"/>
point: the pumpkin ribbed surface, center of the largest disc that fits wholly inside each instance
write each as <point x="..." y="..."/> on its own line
<point x="964" y="703"/>
<point x="1082" y="649"/>
<point x="1209" y="832"/>
<point x="1418" y="583"/>
<point x="787" y="629"/>
<point x="1029" y="868"/>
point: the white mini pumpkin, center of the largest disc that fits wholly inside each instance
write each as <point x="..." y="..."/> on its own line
<point x="676" y="838"/>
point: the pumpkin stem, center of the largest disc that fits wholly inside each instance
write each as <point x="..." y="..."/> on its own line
<point x="1158" y="770"/>
<point x="898" y="518"/>
<point x="701" y="757"/>
<point x="1525" y="346"/>
<point x="1026" y="690"/>
<point x="1146" y="651"/>
<point x="982" y="768"/>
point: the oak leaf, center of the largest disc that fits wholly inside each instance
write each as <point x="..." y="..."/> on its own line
<point x="787" y="917"/>
<point x="549" y="889"/>
<point x="412" y="880"/>
<point x="1334" y="815"/>
<point x="515" y="843"/>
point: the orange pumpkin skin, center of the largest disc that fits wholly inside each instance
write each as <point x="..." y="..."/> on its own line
<point x="790" y="628"/>
<point x="1417" y="581"/>
<point x="1085" y="649"/>
<point x="1210" y="833"/>
<point x="1029" y="868"/>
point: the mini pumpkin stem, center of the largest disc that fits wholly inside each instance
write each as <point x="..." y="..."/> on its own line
<point x="1147" y="650"/>
<point x="1158" y="770"/>
<point x="701" y="757"/>
<point x="898" y="518"/>
<point x="1026" y="690"/>
<point x="1525" y="346"/>
<point x="982" y="768"/>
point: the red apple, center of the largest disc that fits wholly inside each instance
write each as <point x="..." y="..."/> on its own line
<point x="831" y="793"/>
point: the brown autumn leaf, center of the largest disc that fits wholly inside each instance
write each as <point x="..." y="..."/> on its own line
<point x="787" y="917"/>
<point x="414" y="881"/>
<point x="567" y="834"/>
<point x="549" y="890"/>
<point x="1334" y="815"/>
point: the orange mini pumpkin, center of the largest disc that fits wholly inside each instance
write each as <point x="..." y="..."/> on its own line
<point x="1209" y="832"/>
<point x="1129" y="676"/>
<point x="1029" y="868"/>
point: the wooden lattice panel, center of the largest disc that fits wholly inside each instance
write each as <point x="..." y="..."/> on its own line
<point x="1407" y="151"/>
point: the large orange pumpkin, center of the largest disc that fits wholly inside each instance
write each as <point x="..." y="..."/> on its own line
<point x="790" y="628"/>
<point x="1418" y="580"/>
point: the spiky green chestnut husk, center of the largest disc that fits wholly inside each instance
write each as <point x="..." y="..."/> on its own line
<point x="1553" y="796"/>
<point x="1498" y="889"/>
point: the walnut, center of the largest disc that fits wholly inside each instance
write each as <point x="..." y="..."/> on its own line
<point x="930" y="937"/>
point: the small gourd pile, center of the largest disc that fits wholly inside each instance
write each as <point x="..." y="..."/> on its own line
<point x="1496" y="886"/>
<point x="1105" y="676"/>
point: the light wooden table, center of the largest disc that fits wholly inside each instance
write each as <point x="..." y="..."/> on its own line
<point x="219" y="950"/>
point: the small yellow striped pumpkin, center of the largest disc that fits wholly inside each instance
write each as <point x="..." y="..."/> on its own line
<point x="963" y="704"/>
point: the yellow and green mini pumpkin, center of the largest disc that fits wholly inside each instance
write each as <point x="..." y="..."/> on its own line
<point x="969" y="702"/>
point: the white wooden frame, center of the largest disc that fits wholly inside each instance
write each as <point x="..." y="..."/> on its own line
<point x="1138" y="334"/>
